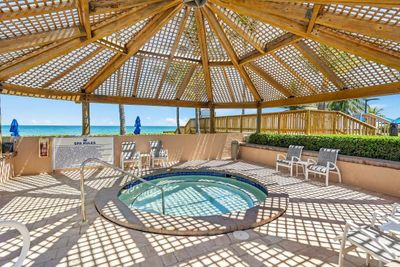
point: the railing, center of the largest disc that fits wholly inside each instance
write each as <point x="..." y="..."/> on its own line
<point x="26" y="241"/>
<point x="106" y="164"/>
<point x="382" y="125"/>
<point x="288" y="122"/>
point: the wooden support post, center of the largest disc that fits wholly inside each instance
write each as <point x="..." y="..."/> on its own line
<point x="241" y="123"/>
<point x="212" y="119"/>
<point x="334" y="123"/>
<point x="85" y="118"/>
<point x="226" y="124"/>
<point x="258" y="122"/>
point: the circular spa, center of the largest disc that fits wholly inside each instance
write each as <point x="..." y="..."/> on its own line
<point x="192" y="203"/>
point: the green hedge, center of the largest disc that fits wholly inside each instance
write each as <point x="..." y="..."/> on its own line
<point x="378" y="147"/>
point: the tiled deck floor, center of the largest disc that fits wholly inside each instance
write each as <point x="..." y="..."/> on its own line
<point x="304" y="236"/>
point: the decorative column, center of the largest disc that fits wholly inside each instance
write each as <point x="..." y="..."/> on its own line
<point x="212" y="119"/>
<point x="258" y="122"/>
<point x="85" y="117"/>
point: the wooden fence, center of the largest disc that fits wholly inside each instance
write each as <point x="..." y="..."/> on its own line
<point x="287" y="122"/>
<point x="382" y="125"/>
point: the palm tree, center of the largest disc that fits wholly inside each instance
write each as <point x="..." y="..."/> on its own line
<point x="375" y="110"/>
<point x="178" y="127"/>
<point x="122" y="127"/>
<point x="350" y="106"/>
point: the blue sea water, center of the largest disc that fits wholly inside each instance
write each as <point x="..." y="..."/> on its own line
<point x="49" y="130"/>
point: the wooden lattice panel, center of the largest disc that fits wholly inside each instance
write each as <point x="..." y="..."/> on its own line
<point x="10" y="6"/>
<point x="76" y="79"/>
<point x="309" y="76"/>
<point x="278" y="72"/>
<point x="41" y="74"/>
<point x="354" y="71"/>
<point x="11" y="56"/>
<point x="40" y="23"/>
<point x="266" y="90"/>
<point x="163" y="41"/>
<point x="240" y="90"/>
<point x="150" y="77"/>
<point x="382" y="15"/>
<point x="174" y="79"/>
<point x="188" y="46"/>
<point x="222" y="91"/>
<point x="215" y="50"/>
<point x="196" y="89"/>
<point x="260" y="32"/>
<point x="121" y="38"/>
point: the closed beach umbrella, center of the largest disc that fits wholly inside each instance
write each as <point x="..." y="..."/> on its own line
<point x="14" y="128"/>
<point x="137" y="125"/>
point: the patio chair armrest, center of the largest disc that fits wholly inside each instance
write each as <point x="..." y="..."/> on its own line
<point x="280" y="156"/>
<point x="311" y="161"/>
<point x="332" y="166"/>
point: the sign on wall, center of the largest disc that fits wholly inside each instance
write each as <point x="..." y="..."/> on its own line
<point x="70" y="152"/>
<point x="44" y="147"/>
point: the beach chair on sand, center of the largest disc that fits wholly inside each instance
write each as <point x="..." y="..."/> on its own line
<point x="293" y="155"/>
<point x="383" y="247"/>
<point x="130" y="155"/>
<point x="325" y="164"/>
<point x="157" y="152"/>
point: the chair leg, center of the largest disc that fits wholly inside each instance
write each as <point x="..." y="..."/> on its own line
<point x="342" y="252"/>
<point x="367" y="258"/>
<point x="306" y="174"/>
<point x="327" y="178"/>
<point x="276" y="168"/>
<point x="340" y="176"/>
<point x="291" y="170"/>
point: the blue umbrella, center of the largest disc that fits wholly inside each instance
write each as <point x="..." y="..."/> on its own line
<point x="14" y="128"/>
<point x="137" y="125"/>
<point x="397" y="120"/>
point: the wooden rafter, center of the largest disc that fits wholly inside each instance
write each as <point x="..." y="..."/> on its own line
<point x="38" y="39"/>
<point x="84" y="17"/>
<point x="180" y="91"/>
<point x="110" y="45"/>
<point x="137" y="78"/>
<point x="377" y="90"/>
<point x="66" y="47"/>
<point x="228" y="84"/>
<point x="315" y="12"/>
<point x="133" y="46"/>
<point x="314" y="59"/>
<point x="212" y="20"/>
<point x="320" y="33"/>
<point x="106" y="6"/>
<point x="204" y="53"/>
<point x="308" y="85"/>
<point x="236" y="28"/>
<point x="387" y="3"/>
<point x="173" y="51"/>
<point x="269" y="79"/>
<point x="73" y="67"/>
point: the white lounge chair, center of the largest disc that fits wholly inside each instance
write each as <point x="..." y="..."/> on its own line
<point x="293" y="154"/>
<point x="381" y="246"/>
<point x="325" y="164"/>
<point x="391" y="223"/>
<point x="26" y="241"/>
<point x="157" y="152"/>
<point x="130" y="155"/>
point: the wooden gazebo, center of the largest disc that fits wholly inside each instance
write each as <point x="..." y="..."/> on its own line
<point x="198" y="53"/>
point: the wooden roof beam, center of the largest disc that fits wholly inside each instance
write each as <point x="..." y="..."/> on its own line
<point x="107" y="6"/>
<point x="384" y="3"/>
<point x="133" y="46"/>
<point x="38" y="39"/>
<point x="173" y="51"/>
<point x="269" y="79"/>
<point x="371" y="91"/>
<point x="320" y="33"/>
<point x="315" y="12"/>
<point x="317" y="62"/>
<point x="204" y="52"/>
<point x="63" y="48"/>
<point x="110" y="45"/>
<point x="84" y="17"/>
<point x="180" y="91"/>
<point x="212" y="20"/>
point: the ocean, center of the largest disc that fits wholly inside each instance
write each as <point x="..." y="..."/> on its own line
<point x="49" y="130"/>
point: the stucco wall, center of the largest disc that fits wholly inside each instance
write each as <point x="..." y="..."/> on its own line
<point x="374" y="178"/>
<point x="180" y="147"/>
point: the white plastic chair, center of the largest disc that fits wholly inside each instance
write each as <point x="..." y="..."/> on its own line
<point x="293" y="154"/>
<point x="391" y="223"/>
<point x="130" y="155"/>
<point x="157" y="152"/>
<point x="25" y="238"/>
<point x="325" y="164"/>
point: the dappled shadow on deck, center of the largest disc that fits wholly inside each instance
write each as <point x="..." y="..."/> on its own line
<point x="49" y="206"/>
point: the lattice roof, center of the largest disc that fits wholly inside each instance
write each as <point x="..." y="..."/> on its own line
<point x="227" y="53"/>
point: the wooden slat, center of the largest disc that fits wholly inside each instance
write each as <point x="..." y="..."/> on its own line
<point x="173" y="51"/>
<point x="185" y="82"/>
<point x="228" y="84"/>
<point x="137" y="78"/>
<point x="270" y="80"/>
<point x="212" y="20"/>
<point x="84" y="17"/>
<point x="133" y="46"/>
<point x="38" y="39"/>
<point x="36" y="11"/>
<point x="311" y="23"/>
<point x="313" y="58"/>
<point x="106" y="6"/>
<point x="204" y="53"/>
<point x="64" y="48"/>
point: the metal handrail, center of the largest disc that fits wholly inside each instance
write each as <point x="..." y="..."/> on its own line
<point x="25" y="239"/>
<point x="82" y="176"/>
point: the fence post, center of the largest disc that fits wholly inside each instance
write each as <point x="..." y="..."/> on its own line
<point x="334" y="123"/>
<point x="308" y="122"/>
<point x="279" y="123"/>
<point x="226" y="124"/>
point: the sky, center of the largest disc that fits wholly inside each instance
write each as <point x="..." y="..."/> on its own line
<point x="37" y="111"/>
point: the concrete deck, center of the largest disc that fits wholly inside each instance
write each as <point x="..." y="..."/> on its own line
<point x="303" y="236"/>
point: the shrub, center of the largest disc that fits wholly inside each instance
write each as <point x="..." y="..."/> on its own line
<point x="378" y="147"/>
